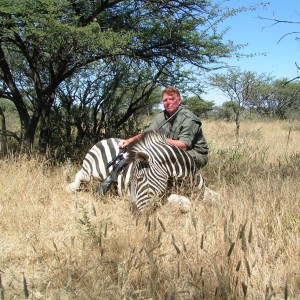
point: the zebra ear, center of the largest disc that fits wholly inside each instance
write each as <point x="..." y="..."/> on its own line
<point x="142" y="156"/>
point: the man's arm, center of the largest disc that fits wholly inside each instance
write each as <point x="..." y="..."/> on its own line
<point x="124" y="143"/>
<point x="177" y="143"/>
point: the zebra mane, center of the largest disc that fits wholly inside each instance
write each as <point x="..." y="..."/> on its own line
<point x="146" y="141"/>
<point x="155" y="135"/>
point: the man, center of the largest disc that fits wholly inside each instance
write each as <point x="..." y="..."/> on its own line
<point x="183" y="129"/>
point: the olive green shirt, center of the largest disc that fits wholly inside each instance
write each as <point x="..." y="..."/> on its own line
<point x="185" y="126"/>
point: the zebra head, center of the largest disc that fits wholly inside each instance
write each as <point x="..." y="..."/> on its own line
<point x="155" y="162"/>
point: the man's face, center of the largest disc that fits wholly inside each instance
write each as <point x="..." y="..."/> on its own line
<point x="171" y="103"/>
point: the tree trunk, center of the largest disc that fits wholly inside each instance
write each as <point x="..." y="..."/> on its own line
<point x="237" y="124"/>
<point x="27" y="139"/>
<point x="45" y="123"/>
<point x="45" y="134"/>
<point x="3" y="136"/>
<point x="68" y="129"/>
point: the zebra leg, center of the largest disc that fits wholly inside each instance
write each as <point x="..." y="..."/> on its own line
<point x="79" y="177"/>
<point x="199" y="182"/>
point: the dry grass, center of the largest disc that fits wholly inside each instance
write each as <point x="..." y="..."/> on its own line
<point x="59" y="246"/>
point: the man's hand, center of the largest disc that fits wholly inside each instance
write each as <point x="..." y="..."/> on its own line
<point x="123" y="144"/>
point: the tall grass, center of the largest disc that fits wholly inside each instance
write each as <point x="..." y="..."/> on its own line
<point x="55" y="245"/>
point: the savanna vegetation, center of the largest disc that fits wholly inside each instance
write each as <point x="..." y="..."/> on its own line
<point x="60" y="246"/>
<point x="74" y="72"/>
<point x="92" y="66"/>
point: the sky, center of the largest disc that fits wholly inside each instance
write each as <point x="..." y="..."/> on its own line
<point x="262" y="36"/>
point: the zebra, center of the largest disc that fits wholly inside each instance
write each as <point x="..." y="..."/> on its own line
<point x="158" y="167"/>
<point x="153" y="166"/>
<point x="94" y="166"/>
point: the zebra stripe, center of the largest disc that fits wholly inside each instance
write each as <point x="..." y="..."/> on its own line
<point x="152" y="164"/>
<point x="94" y="165"/>
<point x="155" y="162"/>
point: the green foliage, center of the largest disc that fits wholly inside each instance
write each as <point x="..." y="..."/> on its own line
<point x="90" y="230"/>
<point x="7" y="106"/>
<point x="9" y="123"/>
<point x="135" y="47"/>
<point x="198" y="105"/>
<point x="228" y="109"/>
<point x="259" y="92"/>
<point x="239" y="86"/>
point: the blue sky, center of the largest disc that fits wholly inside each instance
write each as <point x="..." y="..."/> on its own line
<point x="261" y="37"/>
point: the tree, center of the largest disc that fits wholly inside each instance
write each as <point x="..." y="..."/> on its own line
<point x="198" y="105"/>
<point x="43" y="43"/>
<point x="276" y="21"/>
<point x="227" y="110"/>
<point x="3" y="134"/>
<point x="239" y="88"/>
<point x="285" y="96"/>
<point x="276" y="98"/>
<point x="99" y="105"/>
<point x="8" y="118"/>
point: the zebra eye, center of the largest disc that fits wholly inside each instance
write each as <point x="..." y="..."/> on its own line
<point x="142" y="156"/>
<point x="139" y="177"/>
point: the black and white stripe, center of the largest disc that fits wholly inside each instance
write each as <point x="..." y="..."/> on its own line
<point x="94" y="165"/>
<point x="156" y="164"/>
<point x="153" y="167"/>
